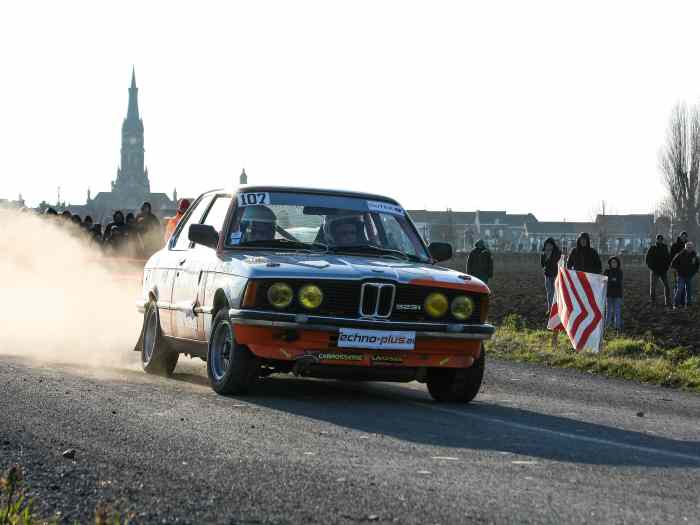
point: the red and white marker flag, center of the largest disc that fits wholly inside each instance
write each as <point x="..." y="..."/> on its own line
<point x="578" y="306"/>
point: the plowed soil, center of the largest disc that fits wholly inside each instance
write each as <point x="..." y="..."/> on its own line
<point x="521" y="290"/>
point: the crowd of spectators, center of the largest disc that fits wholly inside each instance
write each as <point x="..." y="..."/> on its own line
<point x="127" y="235"/>
<point x="681" y="259"/>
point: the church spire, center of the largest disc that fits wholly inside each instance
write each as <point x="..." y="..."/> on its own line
<point x="133" y="112"/>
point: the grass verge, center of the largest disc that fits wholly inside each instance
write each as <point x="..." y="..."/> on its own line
<point x="17" y="509"/>
<point x="638" y="359"/>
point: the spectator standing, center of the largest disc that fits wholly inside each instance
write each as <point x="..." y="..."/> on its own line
<point x="676" y="248"/>
<point x="613" y="311"/>
<point x="148" y="227"/>
<point x="549" y="260"/>
<point x="583" y="258"/>
<point x="480" y="262"/>
<point x="658" y="261"/>
<point x="686" y="265"/>
<point x="173" y="221"/>
<point x="116" y="232"/>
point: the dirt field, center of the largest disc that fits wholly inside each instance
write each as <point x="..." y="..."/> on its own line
<point x="518" y="287"/>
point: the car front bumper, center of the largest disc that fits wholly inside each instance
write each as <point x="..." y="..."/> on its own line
<point x="472" y="332"/>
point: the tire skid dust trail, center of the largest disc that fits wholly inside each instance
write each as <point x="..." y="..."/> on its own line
<point x="61" y="300"/>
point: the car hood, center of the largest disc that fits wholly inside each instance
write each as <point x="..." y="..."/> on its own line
<point x="328" y="266"/>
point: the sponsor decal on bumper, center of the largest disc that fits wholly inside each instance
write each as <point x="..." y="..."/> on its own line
<point x="340" y="357"/>
<point x="387" y="359"/>
<point x="376" y="339"/>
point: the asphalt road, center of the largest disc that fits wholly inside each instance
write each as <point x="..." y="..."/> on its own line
<point x="539" y="446"/>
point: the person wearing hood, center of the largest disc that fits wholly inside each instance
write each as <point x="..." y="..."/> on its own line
<point x="686" y="264"/>
<point x="613" y="311"/>
<point x="676" y="248"/>
<point x="149" y="229"/>
<point x="549" y="260"/>
<point x="116" y="232"/>
<point x="658" y="260"/>
<point x="172" y="223"/>
<point x="96" y="234"/>
<point x="583" y="258"/>
<point x="480" y="262"/>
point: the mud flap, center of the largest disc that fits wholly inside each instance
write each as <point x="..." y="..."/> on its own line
<point x="139" y="342"/>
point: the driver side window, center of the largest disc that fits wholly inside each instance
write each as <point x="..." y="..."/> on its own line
<point x="183" y="242"/>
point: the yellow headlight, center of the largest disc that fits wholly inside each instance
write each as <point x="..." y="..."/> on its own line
<point x="436" y="304"/>
<point x="310" y="296"/>
<point x="280" y="295"/>
<point x="462" y="307"/>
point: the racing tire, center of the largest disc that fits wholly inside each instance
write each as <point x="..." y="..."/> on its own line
<point x="156" y="357"/>
<point x="457" y="385"/>
<point x="231" y="367"/>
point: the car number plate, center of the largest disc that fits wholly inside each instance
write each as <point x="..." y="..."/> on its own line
<point x="376" y="339"/>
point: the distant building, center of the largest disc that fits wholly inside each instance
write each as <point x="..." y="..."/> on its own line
<point x="609" y="233"/>
<point x="7" y="204"/>
<point x="498" y="229"/>
<point x="564" y="233"/>
<point x="624" y="233"/>
<point x="131" y="188"/>
<point x="503" y="231"/>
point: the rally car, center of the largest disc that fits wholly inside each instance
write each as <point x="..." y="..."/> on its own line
<point x="317" y="283"/>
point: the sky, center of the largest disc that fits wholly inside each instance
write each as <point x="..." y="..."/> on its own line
<point x="542" y="107"/>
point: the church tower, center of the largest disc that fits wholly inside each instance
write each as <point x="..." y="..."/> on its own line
<point x="132" y="178"/>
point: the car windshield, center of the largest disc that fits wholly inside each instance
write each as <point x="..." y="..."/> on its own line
<point x="327" y="223"/>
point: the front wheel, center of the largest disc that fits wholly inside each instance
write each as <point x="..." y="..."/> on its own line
<point x="156" y="357"/>
<point x="231" y="368"/>
<point x="457" y="385"/>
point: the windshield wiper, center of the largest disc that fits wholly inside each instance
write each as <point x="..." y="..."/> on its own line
<point x="373" y="249"/>
<point x="284" y="243"/>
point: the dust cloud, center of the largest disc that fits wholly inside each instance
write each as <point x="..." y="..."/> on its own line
<point x="61" y="300"/>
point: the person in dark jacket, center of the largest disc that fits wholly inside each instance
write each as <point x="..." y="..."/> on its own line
<point x="480" y="262"/>
<point x="658" y="261"/>
<point x="117" y="232"/>
<point x="686" y="264"/>
<point x="95" y="234"/>
<point x="676" y="248"/>
<point x="613" y="315"/>
<point x="149" y="229"/>
<point x="549" y="260"/>
<point x="583" y="258"/>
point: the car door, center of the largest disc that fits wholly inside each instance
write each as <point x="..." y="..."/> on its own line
<point x="190" y="278"/>
<point x="180" y="249"/>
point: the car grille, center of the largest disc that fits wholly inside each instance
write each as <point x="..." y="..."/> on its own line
<point x="342" y="299"/>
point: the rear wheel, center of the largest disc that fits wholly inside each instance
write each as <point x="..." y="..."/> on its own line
<point x="231" y="367"/>
<point x="156" y="357"/>
<point x="457" y="385"/>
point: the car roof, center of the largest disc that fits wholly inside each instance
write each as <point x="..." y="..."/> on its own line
<point x="317" y="191"/>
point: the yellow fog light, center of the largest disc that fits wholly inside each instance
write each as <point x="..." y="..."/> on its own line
<point x="436" y="304"/>
<point x="310" y="296"/>
<point x="280" y="295"/>
<point x="462" y="307"/>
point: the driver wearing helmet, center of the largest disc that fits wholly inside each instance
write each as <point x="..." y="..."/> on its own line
<point x="258" y="224"/>
<point x="347" y="230"/>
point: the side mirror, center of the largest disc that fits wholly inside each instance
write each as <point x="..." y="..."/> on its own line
<point x="203" y="234"/>
<point x="440" y="251"/>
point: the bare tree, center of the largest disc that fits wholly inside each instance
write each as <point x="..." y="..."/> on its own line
<point x="679" y="161"/>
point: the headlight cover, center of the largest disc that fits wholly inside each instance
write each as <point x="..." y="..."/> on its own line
<point x="310" y="296"/>
<point x="462" y="307"/>
<point x="436" y="304"/>
<point x="280" y="295"/>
